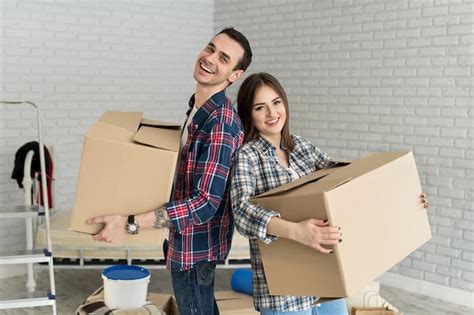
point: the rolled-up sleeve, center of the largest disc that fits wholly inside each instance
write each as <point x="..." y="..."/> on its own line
<point x="251" y="220"/>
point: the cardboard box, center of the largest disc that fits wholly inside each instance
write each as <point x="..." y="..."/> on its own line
<point x="165" y="302"/>
<point x="234" y="303"/>
<point x="127" y="167"/>
<point x="376" y="203"/>
<point x="229" y="303"/>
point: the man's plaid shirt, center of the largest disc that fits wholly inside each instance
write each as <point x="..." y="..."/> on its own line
<point x="256" y="170"/>
<point x="200" y="208"/>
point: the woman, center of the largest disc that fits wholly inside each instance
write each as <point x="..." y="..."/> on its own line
<point x="271" y="157"/>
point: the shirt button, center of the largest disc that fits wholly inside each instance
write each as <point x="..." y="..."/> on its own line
<point x="196" y="126"/>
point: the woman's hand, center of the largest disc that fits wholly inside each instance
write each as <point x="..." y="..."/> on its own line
<point x="424" y="200"/>
<point x="114" y="228"/>
<point x="314" y="233"/>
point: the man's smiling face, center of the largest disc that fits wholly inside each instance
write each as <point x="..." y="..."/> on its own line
<point x="216" y="64"/>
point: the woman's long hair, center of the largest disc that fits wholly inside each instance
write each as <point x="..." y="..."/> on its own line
<point x="245" y="101"/>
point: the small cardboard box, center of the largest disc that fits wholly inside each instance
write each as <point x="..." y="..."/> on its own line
<point x="234" y="303"/>
<point x="165" y="302"/>
<point x="376" y="203"/>
<point x="127" y="167"/>
<point x="228" y="302"/>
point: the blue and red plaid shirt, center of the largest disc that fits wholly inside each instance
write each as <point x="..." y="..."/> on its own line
<point x="200" y="207"/>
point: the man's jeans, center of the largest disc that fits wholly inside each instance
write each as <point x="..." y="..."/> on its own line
<point x="194" y="289"/>
<point x="335" y="307"/>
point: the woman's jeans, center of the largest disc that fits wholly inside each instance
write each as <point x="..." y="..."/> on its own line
<point x="194" y="289"/>
<point x="335" y="307"/>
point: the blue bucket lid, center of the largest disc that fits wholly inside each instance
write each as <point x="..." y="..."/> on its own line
<point x="125" y="272"/>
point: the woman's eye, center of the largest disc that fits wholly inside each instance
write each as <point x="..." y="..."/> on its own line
<point x="277" y="102"/>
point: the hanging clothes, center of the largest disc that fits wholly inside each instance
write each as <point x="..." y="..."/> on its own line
<point x="18" y="169"/>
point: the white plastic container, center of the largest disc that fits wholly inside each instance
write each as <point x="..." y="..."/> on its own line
<point x="125" y="286"/>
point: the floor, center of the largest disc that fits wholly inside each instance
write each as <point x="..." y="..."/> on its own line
<point x="74" y="285"/>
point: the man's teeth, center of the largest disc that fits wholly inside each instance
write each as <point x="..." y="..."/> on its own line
<point x="206" y="69"/>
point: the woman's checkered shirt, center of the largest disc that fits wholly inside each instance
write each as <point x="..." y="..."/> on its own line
<point x="256" y="170"/>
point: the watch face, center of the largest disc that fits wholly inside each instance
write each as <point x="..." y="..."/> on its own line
<point x="132" y="228"/>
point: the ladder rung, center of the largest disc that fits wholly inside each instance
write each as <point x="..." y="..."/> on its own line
<point x="24" y="256"/>
<point x="20" y="300"/>
<point x="15" y="212"/>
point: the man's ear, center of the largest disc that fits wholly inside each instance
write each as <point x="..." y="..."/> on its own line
<point x="236" y="74"/>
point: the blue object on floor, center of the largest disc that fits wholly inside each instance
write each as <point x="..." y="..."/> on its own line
<point x="241" y="281"/>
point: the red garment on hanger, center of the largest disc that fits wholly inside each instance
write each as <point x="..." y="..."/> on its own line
<point x="18" y="171"/>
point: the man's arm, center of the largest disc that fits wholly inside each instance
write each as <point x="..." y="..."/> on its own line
<point x="115" y="226"/>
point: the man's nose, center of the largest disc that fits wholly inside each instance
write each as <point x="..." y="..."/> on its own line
<point x="211" y="58"/>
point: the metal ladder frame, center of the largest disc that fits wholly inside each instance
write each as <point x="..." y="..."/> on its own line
<point x="48" y="253"/>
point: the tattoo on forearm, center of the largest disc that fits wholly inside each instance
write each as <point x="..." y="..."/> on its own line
<point x="161" y="220"/>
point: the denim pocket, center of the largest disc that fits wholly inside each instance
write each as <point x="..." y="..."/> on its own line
<point x="206" y="273"/>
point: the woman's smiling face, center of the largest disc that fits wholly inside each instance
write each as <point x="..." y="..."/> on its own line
<point x="268" y="113"/>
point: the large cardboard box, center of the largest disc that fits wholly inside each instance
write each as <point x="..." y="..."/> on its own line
<point x="376" y="203"/>
<point x="127" y="167"/>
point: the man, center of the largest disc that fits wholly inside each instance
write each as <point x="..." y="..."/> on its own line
<point x="198" y="215"/>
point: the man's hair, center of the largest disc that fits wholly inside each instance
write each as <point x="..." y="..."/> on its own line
<point x="246" y="59"/>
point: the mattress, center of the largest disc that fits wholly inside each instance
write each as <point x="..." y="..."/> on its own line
<point x="70" y="244"/>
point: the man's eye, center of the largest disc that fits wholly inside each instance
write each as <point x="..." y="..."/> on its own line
<point x="210" y="49"/>
<point x="224" y="60"/>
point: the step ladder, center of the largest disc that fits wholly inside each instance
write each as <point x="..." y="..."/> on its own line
<point x="30" y="256"/>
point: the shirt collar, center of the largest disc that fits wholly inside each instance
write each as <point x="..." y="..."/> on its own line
<point x="216" y="101"/>
<point x="265" y="145"/>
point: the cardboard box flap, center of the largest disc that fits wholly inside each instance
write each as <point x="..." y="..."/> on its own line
<point x="360" y="167"/>
<point x="128" y="120"/>
<point x="108" y="132"/>
<point x="163" y="138"/>
<point x="311" y="178"/>
<point x="160" y="123"/>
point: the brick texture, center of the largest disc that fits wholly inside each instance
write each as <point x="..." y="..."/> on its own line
<point x="362" y="76"/>
<point x="366" y="76"/>
<point x="76" y="60"/>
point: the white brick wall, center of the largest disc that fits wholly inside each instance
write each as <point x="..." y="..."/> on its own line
<point x="362" y="76"/>
<point x="77" y="59"/>
<point x="365" y="76"/>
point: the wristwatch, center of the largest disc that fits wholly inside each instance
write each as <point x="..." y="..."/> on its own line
<point x="132" y="225"/>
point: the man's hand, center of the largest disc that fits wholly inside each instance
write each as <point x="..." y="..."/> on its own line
<point x="162" y="219"/>
<point x="314" y="233"/>
<point x="114" y="228"/>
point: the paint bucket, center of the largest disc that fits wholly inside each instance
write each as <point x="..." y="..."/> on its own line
<point x="125" y="286"/>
